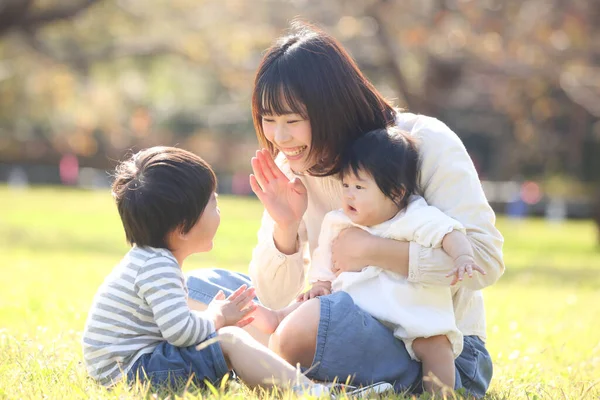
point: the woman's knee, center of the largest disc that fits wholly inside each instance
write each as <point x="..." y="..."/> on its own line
<point x="296" y="337"/>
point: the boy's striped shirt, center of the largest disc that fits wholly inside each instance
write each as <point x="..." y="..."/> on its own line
<point x="142" y="303"/>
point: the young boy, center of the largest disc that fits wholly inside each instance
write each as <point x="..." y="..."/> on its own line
<point x="140" y="325"/>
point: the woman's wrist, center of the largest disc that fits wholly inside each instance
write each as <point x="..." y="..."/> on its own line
<point x="388" y="254"/>
<point x="286" y="238"/>
<point x="370" y="250"/>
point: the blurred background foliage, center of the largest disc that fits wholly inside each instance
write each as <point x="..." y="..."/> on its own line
<point x="519" y="81"/>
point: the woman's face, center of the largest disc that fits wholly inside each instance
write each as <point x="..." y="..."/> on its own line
<point x="291" y="134"/>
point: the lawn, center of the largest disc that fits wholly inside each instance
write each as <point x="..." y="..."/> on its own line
<point x="57" y="245"/>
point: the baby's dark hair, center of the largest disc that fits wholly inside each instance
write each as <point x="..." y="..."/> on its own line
<point x="391" y="157"/>
<point x="160" y="189"/>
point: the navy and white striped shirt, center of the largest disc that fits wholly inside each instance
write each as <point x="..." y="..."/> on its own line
<point x="142" y="303"/>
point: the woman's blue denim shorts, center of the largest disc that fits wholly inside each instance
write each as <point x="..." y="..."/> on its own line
<point x="351" y="343"/>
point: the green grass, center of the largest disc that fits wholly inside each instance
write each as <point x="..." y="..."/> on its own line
<point x="56" y="247"/>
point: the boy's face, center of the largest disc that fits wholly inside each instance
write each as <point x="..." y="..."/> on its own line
<point x="363" y="202"/>
<point x="200" y="237"/>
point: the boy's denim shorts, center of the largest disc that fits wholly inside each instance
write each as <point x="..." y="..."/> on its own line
<point x="352" y="343"/>
<point x="169" y="364"/>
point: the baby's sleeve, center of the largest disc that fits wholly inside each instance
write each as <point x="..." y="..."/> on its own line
<point x="428" y="224"/>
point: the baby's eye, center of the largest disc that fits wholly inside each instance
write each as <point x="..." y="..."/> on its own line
<point x="359" y="187"/>
<point x="345" y="185"/>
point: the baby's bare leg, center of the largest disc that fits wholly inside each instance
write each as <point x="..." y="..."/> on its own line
<point x="436" y="355"/>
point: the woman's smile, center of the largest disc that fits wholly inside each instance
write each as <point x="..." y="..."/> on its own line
<point x="293" y="153"/>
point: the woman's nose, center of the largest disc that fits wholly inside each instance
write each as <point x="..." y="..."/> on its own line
<point x="281" y="134"/>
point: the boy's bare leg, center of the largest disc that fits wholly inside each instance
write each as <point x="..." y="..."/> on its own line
<point x="255" y="364"/>
<point x="437" y="358"/>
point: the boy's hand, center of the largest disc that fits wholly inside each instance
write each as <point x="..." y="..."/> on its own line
<point x="462" y="264"/>
<point x="234" y="309"/>
<point x="320" y="288"/>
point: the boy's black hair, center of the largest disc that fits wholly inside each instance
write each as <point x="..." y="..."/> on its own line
<point x="391" y="157"/>
<point x="160" y="189"/>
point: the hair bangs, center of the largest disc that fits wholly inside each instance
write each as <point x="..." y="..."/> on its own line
<point x="277" y="97"/>
<point x="351" y="163"/>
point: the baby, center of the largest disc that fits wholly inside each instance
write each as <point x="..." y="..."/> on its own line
<point x="379" y="177"/>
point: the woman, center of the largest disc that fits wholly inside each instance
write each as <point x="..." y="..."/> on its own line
<point x="310" y="100"/>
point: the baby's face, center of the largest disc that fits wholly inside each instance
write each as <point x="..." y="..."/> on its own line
<point x="363" y="201"/>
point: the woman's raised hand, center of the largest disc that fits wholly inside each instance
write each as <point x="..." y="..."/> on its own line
<point x="285" y="200"/>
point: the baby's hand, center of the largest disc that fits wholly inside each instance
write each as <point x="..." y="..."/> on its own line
<point x="319" y="288"/>
<point x="462" y="264"/>
<point x="234" y="309"/>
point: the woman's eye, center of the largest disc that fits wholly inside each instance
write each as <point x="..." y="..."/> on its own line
<point x="293" y="121"/>
<point x="267" y="120"/>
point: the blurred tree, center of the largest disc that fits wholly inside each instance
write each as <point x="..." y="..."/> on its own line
<point x="533" y="62"/>
<point x="518" y="80"/>
<point x="26" y="15"/>
<point x="81" y="74"/>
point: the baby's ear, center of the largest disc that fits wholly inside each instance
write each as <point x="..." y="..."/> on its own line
<point x="398" y="194"/>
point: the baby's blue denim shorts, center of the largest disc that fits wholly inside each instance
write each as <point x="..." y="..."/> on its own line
<point x="352" y="343"/>
<point x="169" y="364"/>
